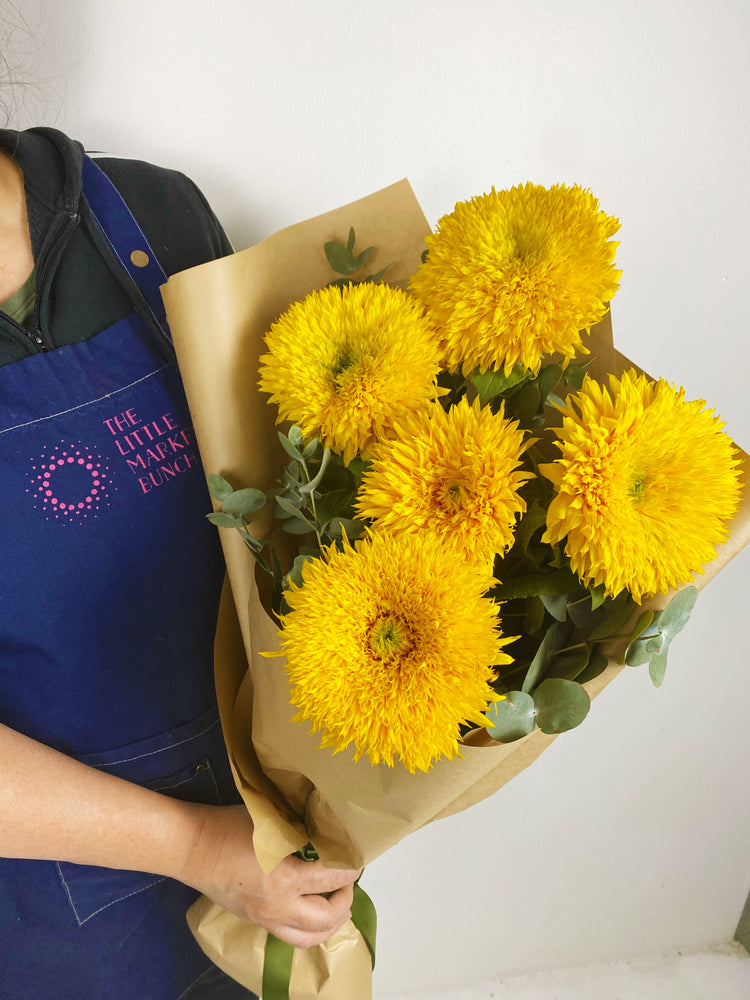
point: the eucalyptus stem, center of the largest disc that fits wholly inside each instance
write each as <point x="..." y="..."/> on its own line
<point x="309" y="490"/>
<point x="568" y="649"/>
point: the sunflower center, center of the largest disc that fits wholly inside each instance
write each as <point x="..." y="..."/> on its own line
<point x="389" y="636"/>
<point x="638" y="490"/>
<point x="525" y="245"/>
<point x="343" y="363"/>
<point x="453" y="497"/>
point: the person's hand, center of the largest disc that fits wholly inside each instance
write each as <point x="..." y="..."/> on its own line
<point x="301" y="902"/>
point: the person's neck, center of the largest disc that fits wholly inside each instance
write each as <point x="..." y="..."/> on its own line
<point x="16" y="257"/>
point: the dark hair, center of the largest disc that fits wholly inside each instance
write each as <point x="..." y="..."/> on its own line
<point x="18" y="52"/>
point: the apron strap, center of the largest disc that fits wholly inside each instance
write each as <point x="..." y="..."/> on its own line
<point x="125" y="237"/>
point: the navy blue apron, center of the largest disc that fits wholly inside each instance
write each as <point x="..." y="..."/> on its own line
<point x="108" y="600"/>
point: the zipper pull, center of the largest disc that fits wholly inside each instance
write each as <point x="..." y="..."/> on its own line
<point x="36" y="337"/>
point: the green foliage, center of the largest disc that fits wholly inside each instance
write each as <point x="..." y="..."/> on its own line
<point x="344" y="261"/>
<point x="512" y="718"/>
<point x="491" y="384"/>
<point x="574" y="374"/>
<point x="315" y="498"/>
<point x="556" y="706"/>
<point x="561" y="705"/>
<point x="553" y="641"/>
<point x="525" y="395"/>
<point x="650" y="643"/>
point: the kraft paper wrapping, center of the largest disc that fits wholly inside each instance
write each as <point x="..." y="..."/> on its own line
<point x="294" y="791"/>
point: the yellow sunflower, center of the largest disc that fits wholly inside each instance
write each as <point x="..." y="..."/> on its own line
<point x="391" y="646"/>
<point x="343" y="364"/>
<point x="453" y="475"/>
<point x="644" y="487"/>
<point x="516" y="274"/>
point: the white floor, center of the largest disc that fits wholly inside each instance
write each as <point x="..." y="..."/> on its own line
<point x="718" y="973"/>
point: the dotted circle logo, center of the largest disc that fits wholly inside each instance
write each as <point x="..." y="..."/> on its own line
<point x="69" y="483"/>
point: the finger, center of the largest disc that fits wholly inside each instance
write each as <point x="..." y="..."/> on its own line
<point x="313" y="877"/>
<point x="299" y="939"/>
<point x="316" y="914"/>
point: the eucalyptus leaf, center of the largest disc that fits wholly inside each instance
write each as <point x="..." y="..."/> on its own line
<point x="288" y="506"/>
<point x="597" y="665"/>
<point x="644" y="621"/>
<point x="292" y="473"/>
<point x="363" y="258"/>
<point x="657" y="668"/>
<point x="675" y="616"/>
<point x="222" y="520"/>
<point x="374" y="278"/>
<point x="589" y="608"/>
<point x="569" y="665"/>
<point x="296" y="572"/>
<point x="640" y="650"/>
<point x="512" y="718"/>
<point x="341" y="258"/>
<point x="277" y="582"/>
<point x="534" y="619"/>
<point x="337" y="503"/>
<point x="311" y="449"/>
<point x="219" y="487"/>
<point x="296" y="437"/>
<point x="291" y="449"/>
<point x="537" y="555"/>
<point x="294" y="576"/>
<point x="296" y="526"/>
<point x="532" y="521"/>
<point x="556" y="605"/>
<point x="341" y="283"/>
<point x="561" y="705"/>
<point x="612" y="623"/>
<point x="652" y="645"/>
<point x="598" y="596"/>
<point x="581" y="612"/>
<point x="338" y="526"/>
<point x="554" y="639"/>
<point x="244" y="502"/>
<point x="253" y="543"/>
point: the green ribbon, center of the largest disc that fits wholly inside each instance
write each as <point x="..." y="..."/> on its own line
<point x="277" y="964"/>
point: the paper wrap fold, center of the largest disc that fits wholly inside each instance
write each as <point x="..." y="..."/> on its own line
<point x="294" y="791"/>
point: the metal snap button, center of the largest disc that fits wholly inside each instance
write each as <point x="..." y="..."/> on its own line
<point x="139" y="258"/>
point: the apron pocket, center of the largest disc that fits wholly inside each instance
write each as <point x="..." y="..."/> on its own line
<point x="154" y="763"/>
<point x="91" y="890"/>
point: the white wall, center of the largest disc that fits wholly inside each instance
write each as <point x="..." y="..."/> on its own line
<point x="630" y="834"/>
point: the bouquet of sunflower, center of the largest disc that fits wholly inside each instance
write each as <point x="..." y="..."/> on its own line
<point x="494" y="509"/>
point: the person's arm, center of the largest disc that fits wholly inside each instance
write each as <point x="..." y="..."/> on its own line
<point x="54" y="808"/>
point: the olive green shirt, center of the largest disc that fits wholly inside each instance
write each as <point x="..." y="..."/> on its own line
<point x="20" y="306"/>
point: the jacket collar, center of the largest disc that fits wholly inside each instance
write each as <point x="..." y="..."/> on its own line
<point x="51" y="165"/>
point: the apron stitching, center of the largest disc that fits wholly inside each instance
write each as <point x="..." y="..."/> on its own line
<point x="157" y="880"/>
<point x="81" y="406"/>
<point x="196" y="981"/>
<point x="188" y="739"/>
